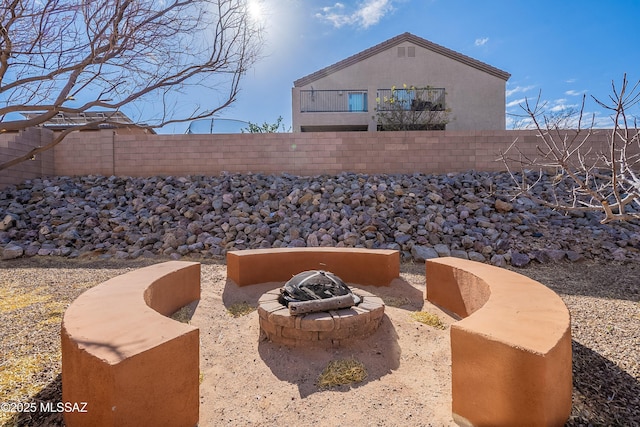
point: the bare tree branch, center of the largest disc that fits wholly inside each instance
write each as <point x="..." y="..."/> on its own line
<point x="586" y="178"/>
<point x="72" y="56"/>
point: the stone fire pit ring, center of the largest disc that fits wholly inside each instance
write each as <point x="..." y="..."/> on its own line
<point x="322" y="329"/>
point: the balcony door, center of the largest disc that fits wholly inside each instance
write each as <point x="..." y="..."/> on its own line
<point x="357" y="101"/>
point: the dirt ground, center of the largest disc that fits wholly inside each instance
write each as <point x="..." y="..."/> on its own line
<point x="250" y="381"/>
<point x="247" y="381"/>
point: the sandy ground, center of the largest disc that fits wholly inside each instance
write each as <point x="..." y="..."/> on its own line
<point x="250" y="381"/>
<point x="247" y="381"/>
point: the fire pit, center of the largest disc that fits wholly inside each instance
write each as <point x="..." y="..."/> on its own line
<point x="316" y="308"/>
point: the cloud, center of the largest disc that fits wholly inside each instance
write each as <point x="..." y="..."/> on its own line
<point x="516" y="102"/>
<point x="482" y="41"/>
<point x="573" y="93"/>
<point x="560" y="104"/>
<point x="518" y="89"/>
<point x="366" y="13"/>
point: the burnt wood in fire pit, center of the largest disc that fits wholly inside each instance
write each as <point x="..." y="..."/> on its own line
<point x="316" y="290"/>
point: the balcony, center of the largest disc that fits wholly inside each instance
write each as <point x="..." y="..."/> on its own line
<point x="333" y="101"/>
<point x="411" y="99"/>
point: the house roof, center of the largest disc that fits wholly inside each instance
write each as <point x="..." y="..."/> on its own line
<point x="405" y="37"/>
<point x="105" y="120"/>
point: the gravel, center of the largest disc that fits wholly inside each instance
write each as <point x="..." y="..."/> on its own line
<point x="468" y="215"/>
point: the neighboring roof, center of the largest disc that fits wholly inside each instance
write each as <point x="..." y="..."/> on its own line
<point x="111" y="119"/>
<point x="406" y="37"/>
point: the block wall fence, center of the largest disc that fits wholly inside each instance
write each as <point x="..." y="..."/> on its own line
<point x="115" y="152"/>
<point x="16" y="144"/>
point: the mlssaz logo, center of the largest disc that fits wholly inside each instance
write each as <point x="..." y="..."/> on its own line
<point x="63" y="407"/>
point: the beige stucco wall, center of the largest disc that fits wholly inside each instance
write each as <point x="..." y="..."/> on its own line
<point x="476" y="98"/>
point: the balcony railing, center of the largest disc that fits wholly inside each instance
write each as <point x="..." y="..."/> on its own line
<point x="417" y="99"/>
<point x="334" y="101"/>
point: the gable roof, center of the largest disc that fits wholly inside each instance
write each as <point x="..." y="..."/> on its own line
<point x="405" y="37"/>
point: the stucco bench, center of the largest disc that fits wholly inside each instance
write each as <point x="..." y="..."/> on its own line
<point x="377" y="267"/>
<point x="120" y="354"/>
<point x="511" y="352"/>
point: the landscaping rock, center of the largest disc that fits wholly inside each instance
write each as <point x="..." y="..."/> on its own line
<point x="12" y="251"/>
<point x="519" y="260"/>
<point x="422" y="216"/>
<point x="422" y="253"/>
<point x="442" y="250"/>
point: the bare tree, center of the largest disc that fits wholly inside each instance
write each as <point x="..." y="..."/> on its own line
<point x="70" y="56"/>
<point x="587" y="178"/>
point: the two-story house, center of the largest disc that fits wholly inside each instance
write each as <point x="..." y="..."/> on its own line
<point x="346" y="96"/>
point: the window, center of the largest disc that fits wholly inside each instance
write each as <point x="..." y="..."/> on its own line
<point x="401" y="52"/>
<point x="405" y="97"/>
<point x="357" y="101"/>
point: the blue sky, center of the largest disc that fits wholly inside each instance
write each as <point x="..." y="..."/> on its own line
<point x="563" y="48"/>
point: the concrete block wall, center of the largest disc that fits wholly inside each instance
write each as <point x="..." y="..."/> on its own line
<point x="86" y="153"/>
<point x="110" y="152"/>
<point x="15" y="144"/>
<point x="296" y="153"/>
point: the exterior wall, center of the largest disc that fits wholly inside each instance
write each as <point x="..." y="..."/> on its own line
<point x="15" y="144"/>
<point x="476" y="98"/>
<point x="87" y="153"/>
<point x="312" y="153"/>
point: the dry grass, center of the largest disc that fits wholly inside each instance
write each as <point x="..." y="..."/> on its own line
<point x="428" y="319"/>
<point x="240" y="309"/>
<point x="393" y="301"/>
<point x="340" y="372"/>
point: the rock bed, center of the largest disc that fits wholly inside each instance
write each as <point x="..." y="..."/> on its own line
<point x="468" y="215"/>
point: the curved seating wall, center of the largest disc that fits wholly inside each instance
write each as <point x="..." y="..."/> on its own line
<point x="511" y="353"/>
<point x="377" y="267"/>
<point x="120" y="354"/>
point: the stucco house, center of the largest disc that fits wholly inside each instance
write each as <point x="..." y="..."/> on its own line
<point x="345" y="96"/>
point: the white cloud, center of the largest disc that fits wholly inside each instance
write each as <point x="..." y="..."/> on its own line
<point x="482" y="41"/>
<point x="573" y="93"/>
<point x="366" y="14"/>
<point x="516" y="102"/>
<point x="560" y="104"/>
<point x="518" y="89"/>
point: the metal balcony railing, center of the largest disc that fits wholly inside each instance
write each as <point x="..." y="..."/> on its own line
<point x="333" y="101"/>
<point x="417" y="99"/>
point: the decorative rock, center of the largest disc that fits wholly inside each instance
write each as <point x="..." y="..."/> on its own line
<point x="457" y="253"/>
<point x="498" y="261"/>
<point x="555" y="255"/>
<point x="519" y="260"/>
<point x="574" y="256"/>
<point x="405" y="227"/>
<point x="502" y="206"/>
<point x="422" y="253"/>
<point x="7" y="222"/>
<point x="476" y="256"/>
<point x="442" y="250"/>
<point x="12" y="251"/>
<point x="419" y="215"/>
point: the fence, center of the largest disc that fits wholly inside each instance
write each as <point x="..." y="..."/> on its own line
<point x="108" y="152"/>
<point x="16" y="144"/>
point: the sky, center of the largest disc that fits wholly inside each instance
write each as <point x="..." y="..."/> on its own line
<point x="558" y="50"/>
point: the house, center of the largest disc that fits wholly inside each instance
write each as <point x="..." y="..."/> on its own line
<point x="346" y="96"/>
<point x="92" y="120"/>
